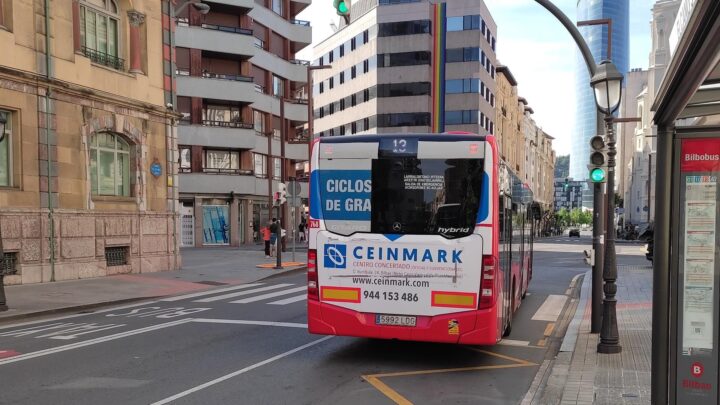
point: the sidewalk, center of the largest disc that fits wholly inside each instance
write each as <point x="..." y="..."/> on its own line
<point x="624" y="378"/>
<point x="202" y="269"/>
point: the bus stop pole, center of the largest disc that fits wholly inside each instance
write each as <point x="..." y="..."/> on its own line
<point x="661" y="268"/>
<point x="278" y="248"/>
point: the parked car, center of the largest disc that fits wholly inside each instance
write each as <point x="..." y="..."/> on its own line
<point x="574" y="232"/>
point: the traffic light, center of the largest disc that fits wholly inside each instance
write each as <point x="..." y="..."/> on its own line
<point x="343" y="9"/>
<point x="567" y="184"/>
<point x="281" y="194"/>
<point x="598" y="160"/>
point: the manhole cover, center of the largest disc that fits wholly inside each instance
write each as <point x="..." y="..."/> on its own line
<point x="210" y="283"/>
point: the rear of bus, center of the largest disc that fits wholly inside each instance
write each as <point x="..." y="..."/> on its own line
<point x="401" y="238"/>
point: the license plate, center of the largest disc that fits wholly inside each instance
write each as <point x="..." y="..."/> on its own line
<point x="396" y="320"/>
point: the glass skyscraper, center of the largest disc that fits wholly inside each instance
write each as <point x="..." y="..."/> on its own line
<point x="596" y="37"/>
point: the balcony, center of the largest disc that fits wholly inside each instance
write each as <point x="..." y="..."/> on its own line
<point x="218" y="134"/>
<point x="104" y="59"/>
<point x="216" y="38"/>
<point x="298" y="32"/>
<point x="246" y="4"/>
<point x="295" y="70"/>
<point x="218" y="87"/>
<point x="240" y="182"/>
<point x="294" y="111"/>
<point x="296" y="151"/>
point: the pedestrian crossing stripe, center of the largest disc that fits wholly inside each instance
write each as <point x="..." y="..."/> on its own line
<point x="284" y="264"/>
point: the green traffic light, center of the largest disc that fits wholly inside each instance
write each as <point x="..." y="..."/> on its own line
<point x="342" y="7"/>
<point x="597" y="175"/>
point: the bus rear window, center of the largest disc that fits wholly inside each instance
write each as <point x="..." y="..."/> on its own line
<point x="425" y="196"/>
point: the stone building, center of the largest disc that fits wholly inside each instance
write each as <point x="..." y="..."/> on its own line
<point x="87" y="168"/>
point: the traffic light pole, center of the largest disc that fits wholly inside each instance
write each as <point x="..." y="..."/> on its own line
<point x="598" y="252"/>
<point x="278" y="250"/>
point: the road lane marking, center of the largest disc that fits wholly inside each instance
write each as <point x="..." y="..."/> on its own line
<point x="510" y="342"/>
<point x="374" y="379"/>
<point x="289" y="300"/>
<point x="241" y="293"/>
<point x="269" y="295"/>
<point x="90" y="342"/>
<point x="243" y="322"/>
<point x="239" y="372"/>
<point x="551" y="308"/>
<point x="209" y="292"/>
<point x="549" y="329"/>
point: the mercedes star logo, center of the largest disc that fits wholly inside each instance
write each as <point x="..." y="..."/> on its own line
<point x="397" y="227"/>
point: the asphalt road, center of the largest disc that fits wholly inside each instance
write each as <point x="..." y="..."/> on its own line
<point x="249" y="345"/>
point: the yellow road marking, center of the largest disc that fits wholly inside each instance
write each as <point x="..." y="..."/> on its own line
<point x="387" y="391"/>
<point x="374" y="379"/>
<point x="549" y="329"/>
<point x="503" y="356"/>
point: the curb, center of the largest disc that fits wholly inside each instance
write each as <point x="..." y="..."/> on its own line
<point x="568" y="344"/>
<point x="75" y="308"/>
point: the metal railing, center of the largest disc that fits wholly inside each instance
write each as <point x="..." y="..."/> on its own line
<point x="299" y="62"/>
<point x="116" y="256"/>
<point x="104" y="59"/>
<point x="300" y="22"/>
<point x="231" y="77"/>
<point x="260" y="88"/>
<point x="184" y="22"/>
<point x="212" y="170"/>
<point x="8" y="265"/>
<point x="227" y="124"/>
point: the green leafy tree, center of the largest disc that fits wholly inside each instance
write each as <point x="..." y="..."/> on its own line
<point x="575" y="215"/>
<point x="563" y="217"/>
<point x="586" y="218"/>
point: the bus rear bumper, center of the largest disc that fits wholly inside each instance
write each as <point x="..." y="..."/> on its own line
<point x="460" y="327"/>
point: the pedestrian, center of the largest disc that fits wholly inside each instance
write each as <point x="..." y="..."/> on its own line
<point x="265" y="232"/>
<point x="301" y="229"/>
<point x="274" y="232"/>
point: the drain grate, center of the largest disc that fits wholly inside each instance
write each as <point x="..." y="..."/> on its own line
<point x="210" y="283"/>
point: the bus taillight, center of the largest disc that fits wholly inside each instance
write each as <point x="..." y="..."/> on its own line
<point x="312" y="275"/>
<point x="487" y="283"/>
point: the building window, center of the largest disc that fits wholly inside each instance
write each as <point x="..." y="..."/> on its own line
<point x="99" y="22"/>
<point x="221" y="115"/>
<point x="352" y="44"/>
<point x="322" y="87"/>
<point x="353" y="72"/>
<point x="342" y="77"/>
<point x="259" y="122"/>
<point x="277" y="168"/>
<point x="278" y="86"/>
<point x="109" y="165"/>
<point x="277" y="7"/>
<point x="221" y="161"/>
<point x="6" y="151"/>
<point x="366" y="66"/>
<point x="461" y="117"/>
<point x="260" y="165"/>
<point x="185" y="159"/>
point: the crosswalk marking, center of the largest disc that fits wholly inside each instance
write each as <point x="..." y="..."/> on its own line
<point x="241" y="293"/>
<point x="289" y="300"/>
<point x="269" y="295"/>
<point x="551" y="308"/>
<point x="201" y="293"/>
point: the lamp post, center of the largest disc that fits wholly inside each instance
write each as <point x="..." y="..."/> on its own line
<point x="607" y="85"/>
<point x="3" y="300"/>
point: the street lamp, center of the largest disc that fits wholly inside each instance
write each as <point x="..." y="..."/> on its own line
<point x="607" y="84"/>
<point x="3" y="300"/>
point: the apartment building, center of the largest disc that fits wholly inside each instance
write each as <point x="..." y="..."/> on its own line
<point x="418" y="66"/>
<point x="241" y="94"/>
<point x="87" y="161"/>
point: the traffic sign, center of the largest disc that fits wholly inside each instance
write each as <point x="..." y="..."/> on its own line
<point x="294" y="201"/>
<point x="294" y="188"/>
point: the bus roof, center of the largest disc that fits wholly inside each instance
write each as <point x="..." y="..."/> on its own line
<point x="423" y="136"/>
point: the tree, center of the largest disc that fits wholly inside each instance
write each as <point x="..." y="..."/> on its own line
<point x="563" y="217"/>
<point x="575" y="215"/>
<point x="586" y="217"/>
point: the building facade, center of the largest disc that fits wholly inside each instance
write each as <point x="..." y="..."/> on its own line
<point x="410" y="67"/>
<point x="596" y="37"/>
<point x="87" y="164"/>
<point x="640" y="191"/>
<point x="568" y="194"/>
<point x="241" y="94"/>
<point x="509" y="117"/>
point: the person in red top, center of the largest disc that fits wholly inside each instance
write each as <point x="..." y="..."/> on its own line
<point x="265" y="232"/>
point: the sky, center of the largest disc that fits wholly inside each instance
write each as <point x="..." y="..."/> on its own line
<point x="538" y="50"/>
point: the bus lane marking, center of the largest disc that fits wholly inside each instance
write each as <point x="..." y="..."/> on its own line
<point x="374" y="379"/>
<point x="550" y="309"/>
<point x="239" y="372"/>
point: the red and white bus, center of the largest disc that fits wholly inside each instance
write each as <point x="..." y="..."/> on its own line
<point x="424" y="237"/>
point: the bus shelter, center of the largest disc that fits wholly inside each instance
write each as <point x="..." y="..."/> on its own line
<point x="686" y="293"/>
